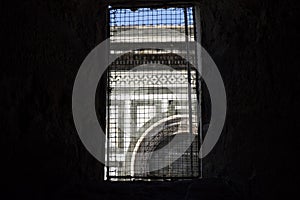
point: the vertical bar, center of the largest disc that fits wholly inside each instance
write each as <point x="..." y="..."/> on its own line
<point x="189" y="87"/>
<point x="198" y="61"/>
<point x="108" y="101"/>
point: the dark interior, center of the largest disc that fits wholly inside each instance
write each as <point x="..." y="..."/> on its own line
<point x="253" y="43"/>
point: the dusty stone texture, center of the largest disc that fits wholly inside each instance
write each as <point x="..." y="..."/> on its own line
<point x="253" y="43"/>
<point x="212" y="189"/>
<point x="46" y="43"/>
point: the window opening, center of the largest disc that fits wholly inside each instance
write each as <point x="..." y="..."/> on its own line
<point x="150" y="100"/>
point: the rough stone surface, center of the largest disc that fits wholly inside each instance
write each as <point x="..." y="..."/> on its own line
<point x="253" y="43"/>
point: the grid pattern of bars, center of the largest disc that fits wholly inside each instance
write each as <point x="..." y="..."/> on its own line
<point x="149" y="98"/>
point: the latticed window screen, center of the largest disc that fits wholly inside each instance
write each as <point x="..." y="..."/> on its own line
<point x="150" y="100"/>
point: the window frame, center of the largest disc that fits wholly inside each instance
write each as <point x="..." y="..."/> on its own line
<point x="197" y="34"/>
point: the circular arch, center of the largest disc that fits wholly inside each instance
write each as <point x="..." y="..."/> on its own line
<point x="152" y="137"/>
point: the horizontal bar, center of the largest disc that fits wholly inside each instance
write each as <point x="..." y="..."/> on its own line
<point x="124" y="46"/>
<point x="154" y="177"/>
<point x="151" y="3"/>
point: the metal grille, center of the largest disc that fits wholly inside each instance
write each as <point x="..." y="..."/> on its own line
<point x="149" y="99"/>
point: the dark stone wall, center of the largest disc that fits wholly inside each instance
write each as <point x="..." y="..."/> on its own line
<point x="44" y="43"/>
<point x="252" y="43"/>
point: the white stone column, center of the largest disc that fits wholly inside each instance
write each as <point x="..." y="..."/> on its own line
<point x="127" y="125"/>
